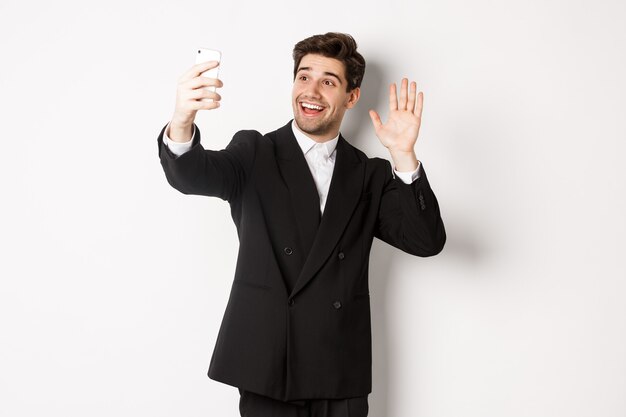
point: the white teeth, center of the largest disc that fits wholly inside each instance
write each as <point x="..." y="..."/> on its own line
<point x="311" y="106"/>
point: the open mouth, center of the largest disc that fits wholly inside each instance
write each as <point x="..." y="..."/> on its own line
<point x="311" y="109"/>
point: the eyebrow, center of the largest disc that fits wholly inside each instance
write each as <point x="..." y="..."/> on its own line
<point x="332" y="74"/>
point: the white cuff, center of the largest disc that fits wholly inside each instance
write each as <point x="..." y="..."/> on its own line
<point x="177" y="148"/>
<point x="408" y="177"/>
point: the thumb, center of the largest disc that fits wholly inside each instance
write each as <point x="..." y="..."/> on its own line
<point x="375" y="119"/>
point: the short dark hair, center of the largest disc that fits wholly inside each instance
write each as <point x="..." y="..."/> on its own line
<point x="336" y="45"/>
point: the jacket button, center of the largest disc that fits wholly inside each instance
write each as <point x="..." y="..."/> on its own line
<point x="337" y="304"/>
<point x="341" y="255"/>
<point x="288" y="251"/>
<point x="290" y="302"/>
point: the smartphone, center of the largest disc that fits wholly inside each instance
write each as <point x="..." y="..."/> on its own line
<point x="204" y="55"/>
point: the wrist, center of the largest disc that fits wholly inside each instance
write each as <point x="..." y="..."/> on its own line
<point x="404" y="161"/>
<point x="179" y="133"/>
<point x="182" y="120"/>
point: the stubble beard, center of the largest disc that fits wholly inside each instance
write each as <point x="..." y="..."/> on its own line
<point x="318" y="127"/>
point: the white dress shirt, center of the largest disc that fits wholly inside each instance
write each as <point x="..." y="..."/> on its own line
<point x="319" y="156"/>
<point x="321" y="160"/>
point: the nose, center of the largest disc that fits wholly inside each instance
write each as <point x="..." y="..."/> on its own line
<point x="312" y="90"/>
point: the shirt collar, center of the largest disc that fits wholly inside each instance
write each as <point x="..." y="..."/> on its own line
<point x="306" y="143"/>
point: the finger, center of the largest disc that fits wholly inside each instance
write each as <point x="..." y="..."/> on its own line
<point x="204" y="93"/>
<point x="205" y="105"/>
<point x="393" y="97"/>
<point x="375" y="120"/>
<point x="410" y="105"/>
<point x="198" y="69"/>
<point x="403" y="90"/>
<point x="198" y="82"/>
<point x="420" y="104"/>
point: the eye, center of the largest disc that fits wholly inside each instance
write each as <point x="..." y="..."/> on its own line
<point x="303" y="77"/>
<point x="328" y="82"/>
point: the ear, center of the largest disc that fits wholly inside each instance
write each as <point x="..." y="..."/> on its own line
<point x="353" y="97"/>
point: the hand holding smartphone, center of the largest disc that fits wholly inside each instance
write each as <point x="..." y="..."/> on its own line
<point x="205" y="55"/>
<point x="191" y="94"/>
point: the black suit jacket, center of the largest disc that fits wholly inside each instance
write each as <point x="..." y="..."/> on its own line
<point x="297" y="322"/>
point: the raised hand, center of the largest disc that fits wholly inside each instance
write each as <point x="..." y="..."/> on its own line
<point x="399" y="133"/>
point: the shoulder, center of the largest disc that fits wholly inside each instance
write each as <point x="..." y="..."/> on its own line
<point x="245" y="142"/>
<point x="252" y="146"/>
<point x="246" y="136"/>
<point x="372" y="163"/>
<point x="255" y="137"/>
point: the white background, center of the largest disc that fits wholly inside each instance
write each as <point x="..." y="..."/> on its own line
<point x="114" y="284"/>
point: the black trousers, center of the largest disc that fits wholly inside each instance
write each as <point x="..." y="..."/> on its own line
<point x="255" y="405"/>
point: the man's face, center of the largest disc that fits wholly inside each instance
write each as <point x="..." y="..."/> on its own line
<point x="321" y="83"/>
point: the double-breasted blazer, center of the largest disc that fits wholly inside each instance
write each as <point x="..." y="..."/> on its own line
<point x="297" y="323"/>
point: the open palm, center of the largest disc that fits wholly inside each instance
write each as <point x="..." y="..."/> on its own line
<point x="399" y="133"/>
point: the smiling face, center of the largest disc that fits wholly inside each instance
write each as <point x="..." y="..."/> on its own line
<point x="319" y="96"/>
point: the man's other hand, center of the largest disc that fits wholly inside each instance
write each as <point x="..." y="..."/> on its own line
<point x="399" y="133"/>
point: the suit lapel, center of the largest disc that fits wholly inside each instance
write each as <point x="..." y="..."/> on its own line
<point x="302" y="190"/>
<point x="343" y="196"/>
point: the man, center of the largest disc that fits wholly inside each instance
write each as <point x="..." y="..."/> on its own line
<point x="295" y="337"/>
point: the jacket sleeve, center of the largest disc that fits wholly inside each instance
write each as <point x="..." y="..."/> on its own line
<point x="409" y="217"/>
<point x="206" y="172"/>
